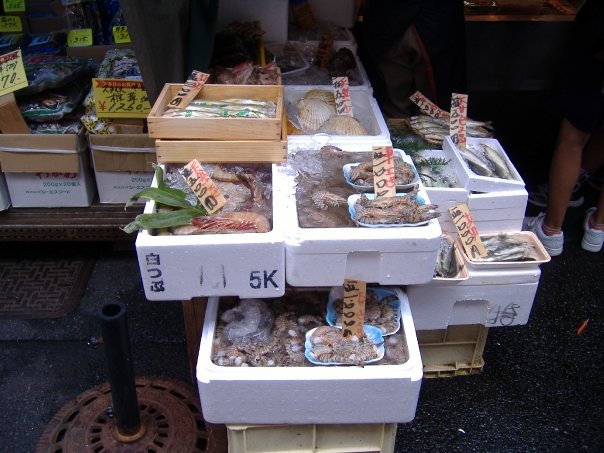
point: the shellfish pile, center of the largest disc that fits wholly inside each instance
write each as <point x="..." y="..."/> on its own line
<point x="398" y="210"/>
<point x="316" y="112"/>
<point x="380" y="311"/>
<point x="329" y="346"/>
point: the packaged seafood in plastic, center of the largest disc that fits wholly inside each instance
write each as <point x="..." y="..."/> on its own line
<point x="46" y="72"/>
<point x="55" y="104"/>
<point x="325" y="345"/>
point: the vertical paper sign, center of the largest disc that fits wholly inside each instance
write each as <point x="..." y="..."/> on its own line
<point x="468" y="234"/>
<point x="120" y="98"/>
<point x="341" y="92"/>
<point x="12" y="73"/>
<point x="353" y="309"/>
<point x="14" y="6"/>
<point x="80" y="37"/>
<point x="203" y="187"/>
<point x="427" y="106"/>
<point x="189" y="90"/>
<point x="384" y="177"/>
<point x="10" y="24"/>
<point x="458" y="119"/>
<point x="121" y="35"/>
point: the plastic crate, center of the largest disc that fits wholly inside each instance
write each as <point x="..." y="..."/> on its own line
<point x="311" y="438"/>
<point x="454" y="351"/>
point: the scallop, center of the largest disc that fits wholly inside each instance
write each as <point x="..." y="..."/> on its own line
<point x="312" y="113"/>
<point x="343" y="125"/>
<point x="321" y="94"/>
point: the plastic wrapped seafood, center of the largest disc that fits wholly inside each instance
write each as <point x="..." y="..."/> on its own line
<point x="225" y="108"/>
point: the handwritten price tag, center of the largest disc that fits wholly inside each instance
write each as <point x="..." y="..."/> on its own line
<point x="427" y="106"/>
<point x="14" y="6"/>
<point x="120" y="98"/>
<point x="458" y="119"/>
<point x="202" y="185"/>
<point x="384" y="178"/>
<point x="470" y="239"/>
<point x="12" y="73"/>
<point x="121" y="34"/>
<point x="189" y="90"/>
<point x="10" y="24"/>
<point x="353" y="310"/>
<point x="81" y="37"/>
<point x="341" y="92"/>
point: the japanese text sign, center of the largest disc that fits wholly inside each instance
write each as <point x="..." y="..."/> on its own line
<point x="189" y="90"/>
<point x="12" y="73"/>
<point x="468" y="234"/>
<point x="121" y="34"/>
<point x="80" y="37"/>
<point x="384" y="178"/>
<point x="10" y="24"/>
<point x="353" y="308"/>
<point x="203" y="187"/>
<point x="427" y="106"/>
<point x="458" y="119"/>
<point x="341" y="93"/>
<point x="120" y="98"/>
<point x="14" y="6"/>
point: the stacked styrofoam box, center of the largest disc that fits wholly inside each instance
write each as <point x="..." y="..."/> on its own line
<point x="326" y="256"/>
<point x="244" y="265"/>
<point x="365" y="108"/>
<point x="272" y="14"/>
<point x="4" y="196"/>
<point x="309" y="395"/>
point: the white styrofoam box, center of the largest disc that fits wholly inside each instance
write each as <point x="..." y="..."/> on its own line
<point x="4" y="196"/>
<point x="343" y="37"/>
<point x="493" y="298"/>
<point x="326" y="256"/>
<point x="244" y="265"/>
<point x="312" y="394"/>
<point x="340" y="12"/>
<point x="477" y="183"/>
<point x="364" y="106"/>
<point x="272" y="14"/>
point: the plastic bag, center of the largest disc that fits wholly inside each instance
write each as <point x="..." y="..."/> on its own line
<point x="251" y="319"/>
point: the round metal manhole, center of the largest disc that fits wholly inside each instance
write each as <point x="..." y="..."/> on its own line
<point x="170" y="418"/>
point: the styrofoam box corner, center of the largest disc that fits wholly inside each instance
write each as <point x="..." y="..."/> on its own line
<point x="493" y="298"/>
<point x="244" y="265"/>
<point x="477" y="183"/>
<point x="299" y="395"/>
<point x="4" y="195"/>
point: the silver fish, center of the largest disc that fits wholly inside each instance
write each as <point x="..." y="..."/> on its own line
<point x="501" y="168"/>
<point x="475" y="163"/>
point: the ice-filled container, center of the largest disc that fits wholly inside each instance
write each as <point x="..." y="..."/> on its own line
<point x="300" y="395"/>
<point x="240" y="264"/>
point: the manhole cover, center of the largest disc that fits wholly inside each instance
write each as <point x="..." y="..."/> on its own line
<point x="169" y="413"/>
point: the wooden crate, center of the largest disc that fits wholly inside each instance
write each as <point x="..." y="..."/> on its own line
<point x="218" y="128"/>
<point x="225" y="151"/>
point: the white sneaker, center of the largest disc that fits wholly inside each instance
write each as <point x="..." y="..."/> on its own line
<point x="592" y="238"/>
<point x="554" y="243"/>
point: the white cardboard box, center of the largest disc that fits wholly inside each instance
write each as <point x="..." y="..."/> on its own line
<point x="47" y="171"/>
<point x="326" y="256"/>
<point x="4" y="196"/>
<point x="365" y="109"/>
<point x="244" y="265"/>
<point x="493" y="298"/>
<point x="122" y="165"/>
<point x="272" y="14"/>
<point x="302" y="395"/>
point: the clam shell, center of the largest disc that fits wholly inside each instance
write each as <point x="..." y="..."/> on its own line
<point x="321" y="94"/>
<point x="343" y="125"/>
<point x="312" y="113"/>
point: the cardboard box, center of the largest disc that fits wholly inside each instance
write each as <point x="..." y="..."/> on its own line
<point x="96" y="52"/>
<point x="45" y="170"/>
<point x="244" y="265"/>
<point x="309" y="394"/>
<point x="122" y="165"/>
<point x="11" y="120"/>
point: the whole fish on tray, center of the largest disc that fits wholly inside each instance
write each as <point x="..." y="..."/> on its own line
<point x="434" y="130"/>
<point x="486" y="161"/>
<point x="504" y="247"/>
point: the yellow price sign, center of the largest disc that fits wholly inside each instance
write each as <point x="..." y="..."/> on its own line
<point x="121" y="34"/>
<point x="10" y="24"/>
<point x="120" y="98"/>
<point x="12" y="73"/>
<point x="14" y="6"/>
<point x="80" y="37"/>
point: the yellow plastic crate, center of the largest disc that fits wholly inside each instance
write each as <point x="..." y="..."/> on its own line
<point x="311" y="438"/>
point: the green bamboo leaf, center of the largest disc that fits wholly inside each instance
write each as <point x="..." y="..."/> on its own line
<point x="170" y="197"/>
<point x="164" y="219"/>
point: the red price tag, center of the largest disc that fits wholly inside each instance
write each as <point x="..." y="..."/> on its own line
<point x="468" y="233"/>
<point x="458" y="119"/>
<point x="427" y="106"/>
<point x="203" y="187"/>
<point x="341" y="92"/>
<point x="189" y="90"/>
<point x="384" y="177"/>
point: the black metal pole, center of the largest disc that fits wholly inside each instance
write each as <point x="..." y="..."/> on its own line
<point x="121" y="373"/>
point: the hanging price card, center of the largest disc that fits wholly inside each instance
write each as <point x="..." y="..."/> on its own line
<point x="203" y="187"/>
<point x="189" y="90"/>
<point x="384" y="179"/>
<point x="120" y="98"/>
<point x="341" y="92"/>
<point x="353" y="308"/>
<point x="427" y="106"/>
<point x="81" y="37"/>
<point x="10" y="24"/>
<point x="470" y="239"/>
<point x="121" y="35"/>
<point x="12" y="73"/>
<point x="14" y="6"/>
<point x="458" y="119"/>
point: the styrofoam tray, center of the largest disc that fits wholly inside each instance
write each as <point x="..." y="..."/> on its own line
<point x="245" y="265"/>
<point x="477" y="183"/>
<point x="462" y="275"/>
<point x="351" y="209"/>
<point x="373" y="334"/>
<point x="299" y="395"/>
<point x="369" y="188"/>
